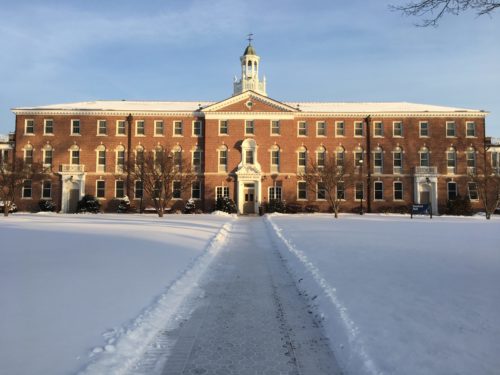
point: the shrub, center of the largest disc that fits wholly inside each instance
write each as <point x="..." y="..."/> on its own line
<point x="88" y="203"/>
<point x="294" y="208"/>
<point x="275" y="205"/>
<point x="46" y="205"/>
<point x="226" y="204"/>
<point x="312" y="208"/>
<point x="190" y="206"/>
<point x="459" y="206"/>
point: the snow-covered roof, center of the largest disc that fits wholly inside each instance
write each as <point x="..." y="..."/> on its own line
<point x="163" y="106"/>
<point x="4" y="138"/>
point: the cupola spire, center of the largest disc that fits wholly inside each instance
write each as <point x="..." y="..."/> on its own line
<point x="249" y="72"/>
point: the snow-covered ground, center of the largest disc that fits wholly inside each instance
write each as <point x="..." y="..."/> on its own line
<point x="401" y="296"/>
<point x="74" y="285"/>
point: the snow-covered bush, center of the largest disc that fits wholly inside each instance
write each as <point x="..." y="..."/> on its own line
<point x="226" y="204"/>
<point x="190" y="206"/>
<point x="46" y="205"/>
<point x="88" y="203"/>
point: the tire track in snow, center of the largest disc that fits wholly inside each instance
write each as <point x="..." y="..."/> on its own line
<point x="357" y="352"/>
<point x="139" y="346"/>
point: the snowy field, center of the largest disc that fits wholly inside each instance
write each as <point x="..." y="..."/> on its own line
<point x="70" y="285"/>
<point x="401" y="296"/>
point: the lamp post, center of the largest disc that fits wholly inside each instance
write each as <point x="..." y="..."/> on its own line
<point x="360" y="166"/>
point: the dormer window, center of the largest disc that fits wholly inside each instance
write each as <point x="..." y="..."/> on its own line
<point x="249" y="157"/>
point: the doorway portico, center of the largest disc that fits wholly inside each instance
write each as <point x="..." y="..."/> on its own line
<point x="249" y="176"/>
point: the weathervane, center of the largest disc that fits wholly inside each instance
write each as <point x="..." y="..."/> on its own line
<point x="250" y="38"/>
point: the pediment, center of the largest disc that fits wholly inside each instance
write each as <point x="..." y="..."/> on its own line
<point x="249" y="102"/>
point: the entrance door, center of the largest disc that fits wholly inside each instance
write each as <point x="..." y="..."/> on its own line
<point x="249" y="196"/>
<point x="74" y="197"/>
<point x="425" y="197"/>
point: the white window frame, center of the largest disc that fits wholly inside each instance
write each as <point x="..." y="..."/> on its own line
<point x="30" y="188"/>
<point x="43" y="190"/>
<point x="275" y="167"/>
<point x="375" y="135"/>
<point x="100" y="167"/>
<point x="397" y="169"/>
<point x="448" y="184"/>
<point x="226" y="123"/>
<point x="318" y="191"/>
<point x="378" y="168"/>
<point x="275" y="128"/>
<point x="318" y="128"/>
<point x="221" y="192"/>
<point x="302" y="128"/>
<point x="44" y="155"/>
<point x="118" y="122"/>
<point x="467" y="123"/>
<point x="177" y="128"/>
<point x="475" y="189"/>
<point x="99" y="134"/>
<point x="397" y="129"/>
<point x="249" y="127"/>
<point x="299" y="184"/>
<point x="123" y="188"/>
<point x="197" y="182"/>
<point x="394" y="190"/>
<point x="73" y="121"/>
<point x="222" y="167"/>
<point x="454" y="129"/>
<point x="26" y="126"/>
<point x="136" y="189"/>
<point x="375" y="183"/>
<point x="31" y="151"/>
<point x="71" y="157"/>
<point x="97" y="189"/>
<point x="357" y="190"/>
<point x="272" y="193"/>
<point x="143" y="128"/>
<point x="339" y="128"/>
<point x="156" y="125"/>
<point x="174" y="183"/>
<point x="197" y="131"/>
<point x="420" y="128"/>
<point x="45" y="121"/>
<point x="357" y="128"/>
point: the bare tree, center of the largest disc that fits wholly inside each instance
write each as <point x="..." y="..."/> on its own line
<point x="434" y="10"/>
<point x="164" y="175"/>
<point x="327" y="180"/>
<point x="13" y="175"/>
<point x="488" y="188"/>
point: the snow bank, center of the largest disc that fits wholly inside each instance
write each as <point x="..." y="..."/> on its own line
<point x="71" y="285"/>
<point x="400" y="296"/>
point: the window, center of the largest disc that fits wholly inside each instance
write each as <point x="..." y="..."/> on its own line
<point x="75" y="157"/>
<point x="378" y="129"/>
<point x="359" y="191"/>
<point x="320" y="157"/>
<point x="120" y="160"/>
<point x="470" y="129"/>
<point x="221" y="192"/>
<point x="223" y="160"/>
<point x="159" y="127"/>
<point x="249" y="156"/>
<point x="100" y="189"/>
<point x="471" y="160"/>
<point x="339" y="128"/>
<point x="177" y="157"/>
<point x="29" y="126"/>
<point x="320" y="191"/>
<point x="140" y="127"/>
<point x="301" y="190"/>
<point x="451" y="160"/>
<point x="158" y="189"/>
<point x="398" y="191"/>
<point x="358" y="129"/>
<point x="138" y="189"/>
<point x="424" y="129"/>
<point x="340" y="191"/>
<point x="47" y="157"/>
<point x="176" y="190"/>
<point x="424" y="157"/>
<point x="28" y="154"/>
<point x="249" y="127"/>
<point x="321" y="129"/>
<point x="178" y="128"/>
<point x="473" y="194"/>
<point x="119" y="188"/>
<point x="197" y="160"/>
<point x="120" y="127"/>
<point x="302" y="158"/>
<point x="101" y="160"/>
<point x="358" y="156"/>
<point x="139" y="155"/>
<point x="197" y="132"/>
<point x="46" y="189"/>
<point x="452" y="190"/>
<point x="275" y="160"/>
<point x="102" y="128"/>
<point x="223" y="127"/>
<point x="75" y="127"/>
<point x="397" y="161"/>
<point x="27" y="190"/>
<point x="48" y="127"/>
<point x="378" y="190"/>
<point x="340" y="156"/>
<point x="451" y="129"/>
<point x="378" y="160"/>
<point x="302" y="128"/>
<point x="275" y="127"/>
<point x="397" y="129"/>
<point x="275" y="193"/>
<point x="196" y="190"/>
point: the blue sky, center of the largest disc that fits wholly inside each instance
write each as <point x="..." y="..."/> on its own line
<point x="352" y="50"/>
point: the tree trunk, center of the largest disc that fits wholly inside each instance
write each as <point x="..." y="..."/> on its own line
<point x="6" y="209"/>
<point x="336" y="211"/>
<point x="488" y="215"/>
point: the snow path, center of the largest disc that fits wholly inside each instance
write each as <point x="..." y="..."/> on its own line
<point x="252" y="319"/>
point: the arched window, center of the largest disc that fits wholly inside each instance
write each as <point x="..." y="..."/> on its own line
<point x="471" y="160"/>
<point x="177" y="156"/>
<point x="48" y="153"/>
<point x="424" y="157"/>
<point x="222" y="157"/>
<point x="378" y="160"/>
<point x="120" y="159"/>
<point x="301" y="159"/>
<point x="451" y="160"/>
<point x="340" y="156"/>
<point x="139" y="155"/>
<point x="74" y="155"/>
<point x="196" y="162"/>
<point x="275" y="159"/>
<point x="320" y="156"/>
<point x="101" y="158"/>
<point x="358" y="156"/>
<point x="28" y="154"/>
<point x="397" y="160"/>
<point x="249" y="151"/>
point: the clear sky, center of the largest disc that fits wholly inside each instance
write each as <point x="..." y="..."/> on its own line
<point x="57" y="51"/>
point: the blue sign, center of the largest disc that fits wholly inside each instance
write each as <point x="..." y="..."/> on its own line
<point x="421" y="209"/>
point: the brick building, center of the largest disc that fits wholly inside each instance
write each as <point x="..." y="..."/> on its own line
<point x="251" y="147"/>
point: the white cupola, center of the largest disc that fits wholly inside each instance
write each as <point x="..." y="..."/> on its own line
<point x="249" y="72"/>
